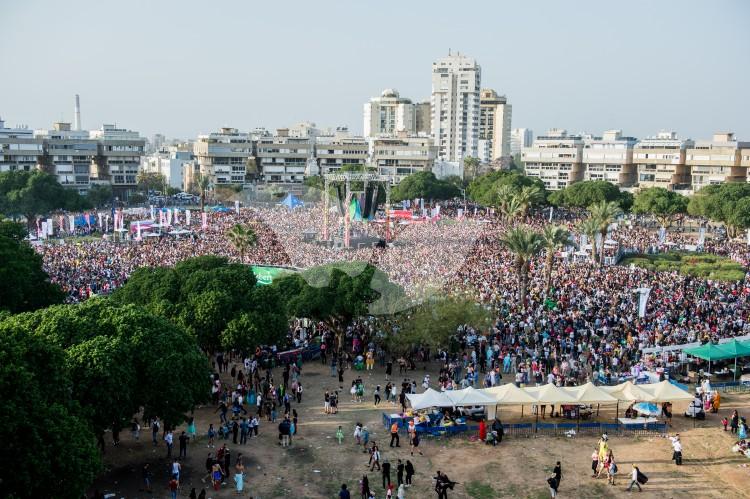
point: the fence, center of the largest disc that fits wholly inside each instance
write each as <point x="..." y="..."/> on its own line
<point x="732" y="387"/>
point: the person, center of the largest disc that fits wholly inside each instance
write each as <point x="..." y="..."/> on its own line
<point x="365" y="438"/>
<point x="147" y="475"/>
<point x="344" y="492"/>
<point x="176" y="469"/>
<point x="386" y="471"/>
<point x="553" y="485"/>
<point x="594" y="462"/>
<point x="612" y="470"/>
<point x="211" y="435"/>
<point x="364" y="487"/>
<point x="389" y="491"/>
<point x="209" y="467"/>
<point x="394" y="434"/>
<point x="239" y="475"/>
<point x="409" y="468"/>
<point x="216" y="475"/>
<point x="174" y="485"/>
<point x="202" y="495"/>
<point x="498" y="431"/>
<point x="482" y="431"/>
<point x="340" y="435"/>
<point x="442" y="484"/>
<point x="191" y="428"/>
<point x="734" y="421"/>
<point x="375" y="458"/>
<point x="558" y="473"/>
<point x="414" y="442"/>
<point x="400" y="473"/>
<point x="183" y="444"/>
<point x="724" y="422"/>
<point x="168" y="438"/>
<point x="377" y="395"/>
<point x="635" y="479"/>
<point x="676" y="449"/>
<point x="135" y="428"/>
<point x="401" y="492"/>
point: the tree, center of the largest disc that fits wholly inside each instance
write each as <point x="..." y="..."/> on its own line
<point x="424" y="185"/>
<point x="24" y="285"/>
<point x="554" y="238"/>
<point x="203" y="183"/>
<point x="485" y="188"/>
<point x="151" y="181"/>
<point x="471" y="168"/>
<point x="661" y="203"/>
<point x="722" y="203"/>
<point x="100" y="195"/>
<point x="32" y="194"/>
<point x="43" y="427"/>
<point x="243" y="238"/>
<point x="604" y="213"/>
<point x="524" y="244"/>
<point x="589" y="192"/>
<point x="529" y="196"/>
<point x="590" y="227"/>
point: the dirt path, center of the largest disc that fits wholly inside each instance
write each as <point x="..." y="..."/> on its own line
<point x="315" y="465"/>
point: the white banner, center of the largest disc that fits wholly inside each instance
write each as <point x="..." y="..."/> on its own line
<point x="237" y="206"/>
<point x="43" y="232"/>
<point x="187" y="217"/>
<point x="153" y="213"/>
<point x="72" y="223"/>
<point x="551" y="210"/>
<point x="701" y="235"/>
<point x="662" y="235"/>
<point x="204" y="217"/>
<point x="49" y="227"/>
<point x="643" y="294"/>
<point x="100" y="219"/>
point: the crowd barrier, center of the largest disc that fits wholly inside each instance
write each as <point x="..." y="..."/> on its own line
<point x="731" y="387"/>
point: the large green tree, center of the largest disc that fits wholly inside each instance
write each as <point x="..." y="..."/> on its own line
<point x="487" y="189"/>
<point x="424" y="185"/>
<point x="24" y="285"/>
<point x="100" y="195"/>
<point x="30" y="194"/>
<point x="589" y="192"/>
<point x="661" y="203"/>
<point x="725" y="203"/>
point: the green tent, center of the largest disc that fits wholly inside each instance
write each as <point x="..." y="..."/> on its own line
<point x="712" y="352"/>
<point x="736" y="349"/>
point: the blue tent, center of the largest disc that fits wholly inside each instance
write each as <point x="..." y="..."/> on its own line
<point x="292" y="201"/>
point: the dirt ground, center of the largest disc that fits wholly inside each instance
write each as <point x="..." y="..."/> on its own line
<point x="315" y="465"/>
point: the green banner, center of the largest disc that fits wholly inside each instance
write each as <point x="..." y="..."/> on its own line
<point x="266" y="275"/>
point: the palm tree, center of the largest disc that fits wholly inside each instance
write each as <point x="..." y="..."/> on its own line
<point x="511" y="208"/>
<point x="529" y="196"/>
<point x="203" y="182"/>
<point x="605" y="214"/>
<point x="242" y="237"/>
<point x="554" y="237"/>
<point x="590" y="227"/>
<point x="525" y="244"/>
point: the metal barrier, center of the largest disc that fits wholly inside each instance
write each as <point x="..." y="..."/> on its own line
<point x="731" y="387"/>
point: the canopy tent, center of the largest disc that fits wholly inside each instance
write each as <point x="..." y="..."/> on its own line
<point x="628" y="392"/>
<point x="729" y="350"/>
<point x="550" y="394"/>
<point x="430" y="398"/>
<point x="590" y="394"/>
<point x="737" y="349"/>
<point x="468" y="396"/>
<point x="508" y="394"/>
<point x="666" y="392"/>
<point x="292" y="201"/>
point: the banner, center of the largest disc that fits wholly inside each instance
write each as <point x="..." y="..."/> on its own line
<point x="50" y="230"/>
<point x="187" y="217"/>
<point x="138" y="231"/>
<point x="551" y="209"/>
<point x="61" y="221"/>
<point x="72" y="219"/>
<point x="662" y="235"/>
<point x="237" y="206"/>
<point x="643" y="294"/>
<point x="100" y="219"/>
<point x="153" y="217"/>
<point x="204" y="220"/>
<point x="701" y="235"/>
<point x="42" y="230"/>
<point x="87" y="217"/>
<point x="169" y="216"/>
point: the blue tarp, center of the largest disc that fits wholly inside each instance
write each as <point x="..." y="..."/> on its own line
<point x="80" y="220"/>
<point x="220" y="209"/>
<point x="292" y="201"/>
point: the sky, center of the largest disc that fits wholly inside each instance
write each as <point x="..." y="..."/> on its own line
<point x="186" y="67"/>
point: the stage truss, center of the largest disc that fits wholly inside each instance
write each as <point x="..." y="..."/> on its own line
<point x="347" y="178"/>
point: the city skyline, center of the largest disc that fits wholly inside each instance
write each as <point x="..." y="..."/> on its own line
<point x="641" y="69"/>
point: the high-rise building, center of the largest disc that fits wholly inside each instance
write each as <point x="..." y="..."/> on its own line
<point x="610" y="158"/>
<point x="555" y="159"/>
<point x="520" y="138"/>
<point x="399" y="156"/>
<point x="660" y="162"/>
<point x="494" y="128"/>
<point x="388" y="114"/>
<point x="223" y="155"/>
<point x="456" y="81"/>
<point x="716" y="161"/>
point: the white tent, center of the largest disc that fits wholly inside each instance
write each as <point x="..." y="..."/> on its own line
<point x="666" y="392"/>
<point x="628" y="392"/>
<point x="550" y="394"/>
<point x="589" y="394"/>
<point x="468" y="397"/>
<point x="508" y="394"/>
<point x="430" y="398"/>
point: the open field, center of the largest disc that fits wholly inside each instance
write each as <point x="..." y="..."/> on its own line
<point x="315" y="465"/>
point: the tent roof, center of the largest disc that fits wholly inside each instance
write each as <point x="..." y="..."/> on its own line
<point x="430" y="398"/>
<point x="550" y="394"/>
<point x="508" y="394"/>
<point x="736" y="348"/>
<point x="628" y="392"/>
<point x="468" y="396"/>
<point x="589" y="394"/>
<point x="666" y="392"/>
<point x="709" y="351"/>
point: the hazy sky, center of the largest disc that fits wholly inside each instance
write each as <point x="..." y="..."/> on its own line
<point x="185" y="67"/>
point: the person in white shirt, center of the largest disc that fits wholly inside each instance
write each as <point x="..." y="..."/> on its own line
<point x="634" y="480"/>
<point x="677" y="449"/>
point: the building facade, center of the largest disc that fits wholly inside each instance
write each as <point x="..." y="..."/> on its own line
<point x="398" y="157"/>
<point x="333" y="152"/>
<point x="610" y="158"/>
<point x="456" y="82"/>
<point x="19" y="149"/>
<point x="69" y="154"/>
<point x="118" y="159"/>
<point x="282" y="159"/>
<point x="520" y="138"/>
<point x="716" y="161"/>
<point x="660" y="162"/>
<point x="555" y="159"/>
<point x="170" y="163"/>
<point x="223" y="156"/>
<point x="494" y="128"/>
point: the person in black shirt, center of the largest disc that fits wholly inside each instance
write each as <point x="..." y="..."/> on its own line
<point x="400" y="473"/>
<point x="386" y="474"/>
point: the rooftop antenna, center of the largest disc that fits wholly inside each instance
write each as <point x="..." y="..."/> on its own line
<point x="77" y="115"/>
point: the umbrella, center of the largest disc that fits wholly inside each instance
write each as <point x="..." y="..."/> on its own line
<point x="647" y="408"/>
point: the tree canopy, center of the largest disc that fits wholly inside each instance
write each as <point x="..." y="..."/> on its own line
<point x="206" y="294"/>
<point x="424" y="185"/>
<point x="726" y="203"/>
<point x="24" y="285"/>
<point x="35" y="193"/>
<point x="589" y="192"/>
<point x="663" y="204"/>
<point x="486" y="189"/>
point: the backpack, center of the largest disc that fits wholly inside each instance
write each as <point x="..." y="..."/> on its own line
<point x="642" y="479"/>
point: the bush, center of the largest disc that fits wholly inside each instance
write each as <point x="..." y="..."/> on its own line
<point x="704" y="266"/>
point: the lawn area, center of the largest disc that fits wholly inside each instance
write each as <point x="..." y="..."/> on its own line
<point x="704" y="265"/>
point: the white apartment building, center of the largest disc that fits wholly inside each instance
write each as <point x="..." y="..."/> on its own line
<point x="610" y="158"/>
<point x="456" y="81"/>
<point x="520" y="138"/>
<point x="660" y="162"/>
<point x="555" y="159"/>
<point x="333" y="152"/>
<point x="398" y="157"/>
<point x="745" y="161"/>
<point x="19" y="150"/>
<point x="388" y="114"/>
<point x="282" y="159"/>
<point x="494" y="128"/>
<point x="118" y="159"/>
<point x="223" y="155"/>
<point x="170" y="163"/>
<point x="716" y="161"/>
<point x="68" y="154"/>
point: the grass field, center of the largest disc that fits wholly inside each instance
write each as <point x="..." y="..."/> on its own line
<point x="704" y="265"/>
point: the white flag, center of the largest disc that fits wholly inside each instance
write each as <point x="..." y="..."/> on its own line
<point x="152" y="212"/>
<point x="643" y="294"/>
<point x="72" y="223"/>
<point x="237" y="206"/>
<point x="187" y="217"/>
<point x="49" y="227"/>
